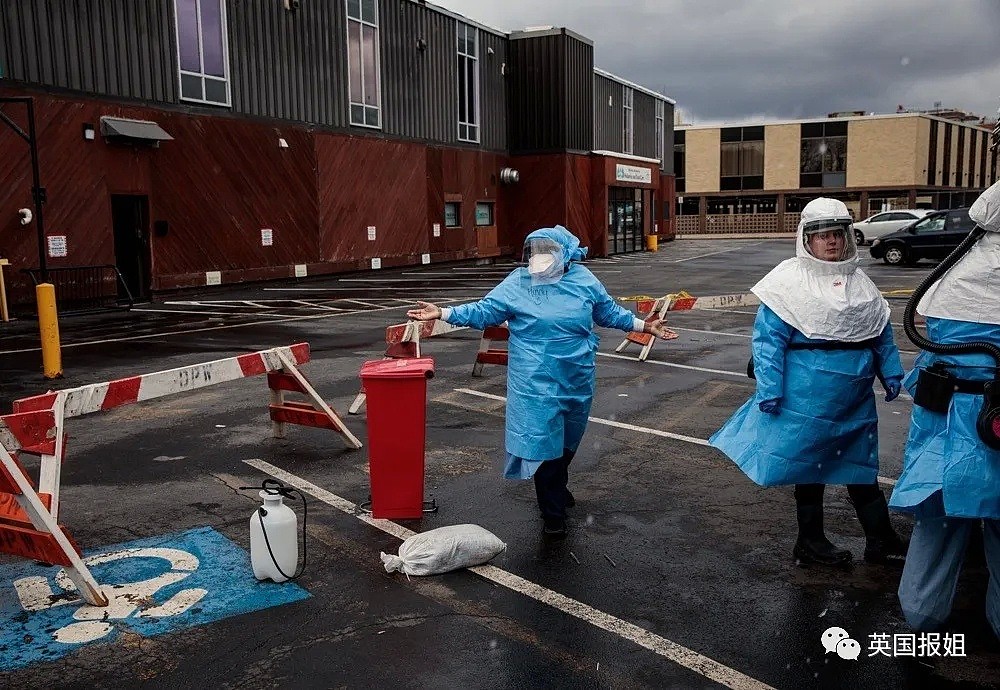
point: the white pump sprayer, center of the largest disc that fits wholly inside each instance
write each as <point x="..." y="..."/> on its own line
<point x="274" y="548"/>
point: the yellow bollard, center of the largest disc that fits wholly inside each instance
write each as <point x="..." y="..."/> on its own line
<point x="651" y="243"/>
<point x="48" y="326"/>
<point x="4" y="316"/>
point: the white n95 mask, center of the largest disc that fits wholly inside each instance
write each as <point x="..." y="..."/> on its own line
<point x="540" y="264"/>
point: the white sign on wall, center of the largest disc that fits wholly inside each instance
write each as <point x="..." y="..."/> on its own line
<point x="437" y="229"/>
<point x="425" y="258"/>
<point x="371" y="233"/>
<point x="376" y="263"/>
<point x="300" y="271"/>
<point x="213" y="278"/>
<point x="266" y="237"/>
<point x="633" y="173"/>
<point x="57" y="245"/>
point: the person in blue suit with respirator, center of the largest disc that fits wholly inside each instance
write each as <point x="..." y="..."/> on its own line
<point x="550" y="307"/>
<point x="951" y="468"/>
<point x="821" y="337"/>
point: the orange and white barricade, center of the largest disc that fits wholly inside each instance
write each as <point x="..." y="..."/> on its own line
<point x="403" y="342"/>
<point x="29" y="516"/>
<point x="488" y="353"/>
<point x="653" y="309"/>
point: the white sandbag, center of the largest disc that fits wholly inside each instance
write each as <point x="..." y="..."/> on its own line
<point x="443" y="549"/>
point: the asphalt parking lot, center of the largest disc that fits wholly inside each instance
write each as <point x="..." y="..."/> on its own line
<point x="677" y="571"/>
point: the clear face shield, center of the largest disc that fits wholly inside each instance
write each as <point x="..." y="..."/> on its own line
<point x="545" y="260"/>
<point x="830" y="239"/>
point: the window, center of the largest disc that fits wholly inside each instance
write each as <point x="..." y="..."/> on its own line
<point x="823" y="159"/>
<point x="970" y="178"/>
<point x="932" y="155"/>
<point x="468" y="83"/>
<point x="659" y="132"/>
<point x="982" y="160"/>
<point x="960" y="164"/>
<point x="363" y="62"/>
<point x="202" y="51"/>
<point x="946" y="180"/>
<point x="959" y="221"/>
<point x="626" y="119"/>
<point x="931" y="224"/>
<point x="453" y="214"/>
<point x="741" y="158"/>
<point x="484" y="213"/>
<point x="679" y="160"/>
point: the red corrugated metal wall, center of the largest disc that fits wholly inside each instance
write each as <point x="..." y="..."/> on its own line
<point x="224" y="179"/>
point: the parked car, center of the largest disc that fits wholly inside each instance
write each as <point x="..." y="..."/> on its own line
<point x="882" y="224"/>
<point x="933" y="237"/>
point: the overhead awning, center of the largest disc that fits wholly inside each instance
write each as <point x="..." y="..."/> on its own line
<point x="123" y="128"/>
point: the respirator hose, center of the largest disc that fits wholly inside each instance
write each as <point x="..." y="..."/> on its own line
<point x="909" y="316"/>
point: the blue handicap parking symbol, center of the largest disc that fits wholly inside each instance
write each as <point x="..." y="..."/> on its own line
<point x="153" y="586"/>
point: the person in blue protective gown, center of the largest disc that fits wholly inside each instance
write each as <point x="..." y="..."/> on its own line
<point x="821" y="337"/>
<point x="550" y="307"/>
<point x="951" y="478"/>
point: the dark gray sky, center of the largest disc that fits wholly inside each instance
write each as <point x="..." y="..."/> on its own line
<point x="733" y="60"/>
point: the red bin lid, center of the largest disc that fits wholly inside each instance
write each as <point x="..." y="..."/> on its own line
<point x="398" y="368"/>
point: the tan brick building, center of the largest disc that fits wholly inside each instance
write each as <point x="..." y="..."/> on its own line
<point x="756" y="178"/>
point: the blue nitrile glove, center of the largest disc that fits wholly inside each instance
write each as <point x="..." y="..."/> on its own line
<point x="769" y="406"/>
<point x="892" y="388"/>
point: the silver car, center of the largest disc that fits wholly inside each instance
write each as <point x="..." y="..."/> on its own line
<point x="883" y="223"/>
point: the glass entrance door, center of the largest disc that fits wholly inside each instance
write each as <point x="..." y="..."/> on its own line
<point x="627" y="224"/>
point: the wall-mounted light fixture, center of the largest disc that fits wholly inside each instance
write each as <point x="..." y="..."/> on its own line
<point x="282" y="144"/>
<point x="421" y="45"/>
<point x="88" y="131"/>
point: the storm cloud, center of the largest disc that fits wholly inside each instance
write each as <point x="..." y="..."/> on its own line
<point x="739" y="60"/>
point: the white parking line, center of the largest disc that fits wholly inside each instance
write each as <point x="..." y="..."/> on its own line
<point x="738" y="374"/>
<point x="598" y="420"/>
<point x="361" y="302"/>
<point x="690" y="659"/>
<point x="631" y="427"/>
<point x="451" y="275"/>
<point x="725" y="372"/>
<point x="251" y="314"/>
<point x="411" y="280"/>
<point x="365" y="288"/>
<point x="722" y="251"/>
<point x="206" y="329"/>
<point x="316" y="305"/>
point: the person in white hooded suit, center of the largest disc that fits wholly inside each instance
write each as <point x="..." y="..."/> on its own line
<point x="821" y="337"/>
<point x="951" y="477"/>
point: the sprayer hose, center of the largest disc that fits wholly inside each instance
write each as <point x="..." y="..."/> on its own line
<point x="909" y="324"/>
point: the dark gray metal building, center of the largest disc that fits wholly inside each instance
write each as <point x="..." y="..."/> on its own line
<point x="344" y="103"/>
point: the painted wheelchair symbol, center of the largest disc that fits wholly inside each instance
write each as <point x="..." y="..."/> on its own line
<point x="124" y="600"/>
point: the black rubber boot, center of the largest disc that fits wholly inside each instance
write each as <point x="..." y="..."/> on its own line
<point x="570" y="501"/>
<point x="812" y="546"/>
<point x="882" y="545"/>
<point x="555" y="528"/>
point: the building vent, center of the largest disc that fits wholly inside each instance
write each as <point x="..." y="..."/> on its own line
<point x="509" y="176"/>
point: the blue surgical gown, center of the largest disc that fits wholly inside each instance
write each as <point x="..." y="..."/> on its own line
<point x="551" y="361"/>
<point x="944" y="452"/>
<point x="826" y="431"/>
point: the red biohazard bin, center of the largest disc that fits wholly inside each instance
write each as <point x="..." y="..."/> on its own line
<point x="396" y="391"/>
